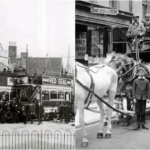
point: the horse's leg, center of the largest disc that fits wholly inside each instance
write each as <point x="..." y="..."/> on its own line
<point x="101" y="125"/>
<point x="80" y="106"/>
<point x="111" y="96"/>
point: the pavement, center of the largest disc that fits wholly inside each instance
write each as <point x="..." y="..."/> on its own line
<point x="48" y="135"/>
<point x="90" y="117"/>
<point x="46" y="125"/>
<point x="123" y="137"/>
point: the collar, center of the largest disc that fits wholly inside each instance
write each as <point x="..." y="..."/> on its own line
<point x="141" y="77"/>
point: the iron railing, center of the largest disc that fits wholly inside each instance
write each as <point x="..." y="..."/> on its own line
<point x="43" y="140"/>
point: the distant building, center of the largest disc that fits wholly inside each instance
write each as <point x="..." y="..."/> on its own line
<point x="12" y="52"/>
<point x="51" y="66"/>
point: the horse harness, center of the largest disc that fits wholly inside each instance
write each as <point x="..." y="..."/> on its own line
<point x="91" y="86"/>
<point x="91" y="91"/>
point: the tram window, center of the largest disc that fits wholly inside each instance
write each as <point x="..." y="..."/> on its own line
<point x="67" y="96"/>
<point x="45" y="95"/>
<point x="12" y="95"/>
<point x="60" y="95"/>
<point x="53" y="95"/>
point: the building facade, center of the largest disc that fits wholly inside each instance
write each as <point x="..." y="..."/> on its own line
<point x="101" y="26"/>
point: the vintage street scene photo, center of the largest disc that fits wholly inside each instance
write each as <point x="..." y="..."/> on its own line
<point x="37" y="68"/>
<point x="112" y="74"/>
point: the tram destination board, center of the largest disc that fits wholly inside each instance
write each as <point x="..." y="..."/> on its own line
<point x="56" y="81"/>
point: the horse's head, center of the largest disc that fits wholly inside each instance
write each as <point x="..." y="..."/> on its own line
<point x="123" y="65"/>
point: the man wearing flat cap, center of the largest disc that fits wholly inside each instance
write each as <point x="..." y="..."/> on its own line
<point x="136" y="29"/>
<point x="141" y="94"/>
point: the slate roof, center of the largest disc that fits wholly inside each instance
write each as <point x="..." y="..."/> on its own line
<point x="2" y="67"/>
<point x="53" y="65"/>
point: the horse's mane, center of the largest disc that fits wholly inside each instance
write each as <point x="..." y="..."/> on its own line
<point x="123" y="57"/>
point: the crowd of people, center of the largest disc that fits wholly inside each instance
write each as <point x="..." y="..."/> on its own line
<point x="66" y="111"/>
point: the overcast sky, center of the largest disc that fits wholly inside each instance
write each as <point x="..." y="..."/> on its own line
<point x="47" y="26"/>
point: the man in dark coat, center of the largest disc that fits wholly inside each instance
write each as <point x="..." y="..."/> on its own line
<point x="67" y="113"/>
<point x="15" y="110"/>
<point x="141" y="94"/>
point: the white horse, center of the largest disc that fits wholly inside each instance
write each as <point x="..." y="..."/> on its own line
<point x="105" y="79"/>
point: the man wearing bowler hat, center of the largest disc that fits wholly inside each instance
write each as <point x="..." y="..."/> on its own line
<point x="136" y="29"/>
<point x="141" y="94"/>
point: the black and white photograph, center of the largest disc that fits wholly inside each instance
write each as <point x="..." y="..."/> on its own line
<point x="112" y="74"/>
<point x="37" y="68"/>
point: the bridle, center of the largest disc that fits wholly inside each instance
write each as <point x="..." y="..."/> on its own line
<point x="122" y="65"/>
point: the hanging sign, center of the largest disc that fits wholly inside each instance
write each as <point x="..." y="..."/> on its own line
<point x="105" y="11"/>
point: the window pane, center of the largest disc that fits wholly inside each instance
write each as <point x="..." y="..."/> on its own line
<point x="45" y="95"/>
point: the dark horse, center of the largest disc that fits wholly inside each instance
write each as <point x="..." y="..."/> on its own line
<point x="39" y="111"/>
<point x="128" y="69"/>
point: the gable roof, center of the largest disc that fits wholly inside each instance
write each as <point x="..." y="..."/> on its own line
<point x="51" y="66"/>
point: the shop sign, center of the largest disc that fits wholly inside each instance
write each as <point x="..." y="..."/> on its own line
<point x="112" y="19"/>
<point x="105" y="11"/>
<point x="56" y="81"/>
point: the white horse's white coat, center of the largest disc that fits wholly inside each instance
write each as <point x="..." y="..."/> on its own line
<point x="105" y="82"/>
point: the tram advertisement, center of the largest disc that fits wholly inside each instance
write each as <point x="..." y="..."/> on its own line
<point x="57" y="81"/>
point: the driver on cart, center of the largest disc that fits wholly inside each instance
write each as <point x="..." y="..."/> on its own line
<point x="135" y="30"/>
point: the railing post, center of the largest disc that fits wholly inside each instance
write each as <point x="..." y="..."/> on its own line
<point x="41" y="139"/>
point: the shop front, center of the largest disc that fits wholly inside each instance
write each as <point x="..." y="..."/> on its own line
<point x="96" y="30"/>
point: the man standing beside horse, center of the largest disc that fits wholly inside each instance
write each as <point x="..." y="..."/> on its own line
<point x="141" y="94"/>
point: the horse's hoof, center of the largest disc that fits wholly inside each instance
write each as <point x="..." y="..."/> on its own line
<point x="107" y="136"/>
<point x="84" y="144"/>
<point x="99" y="135"/>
